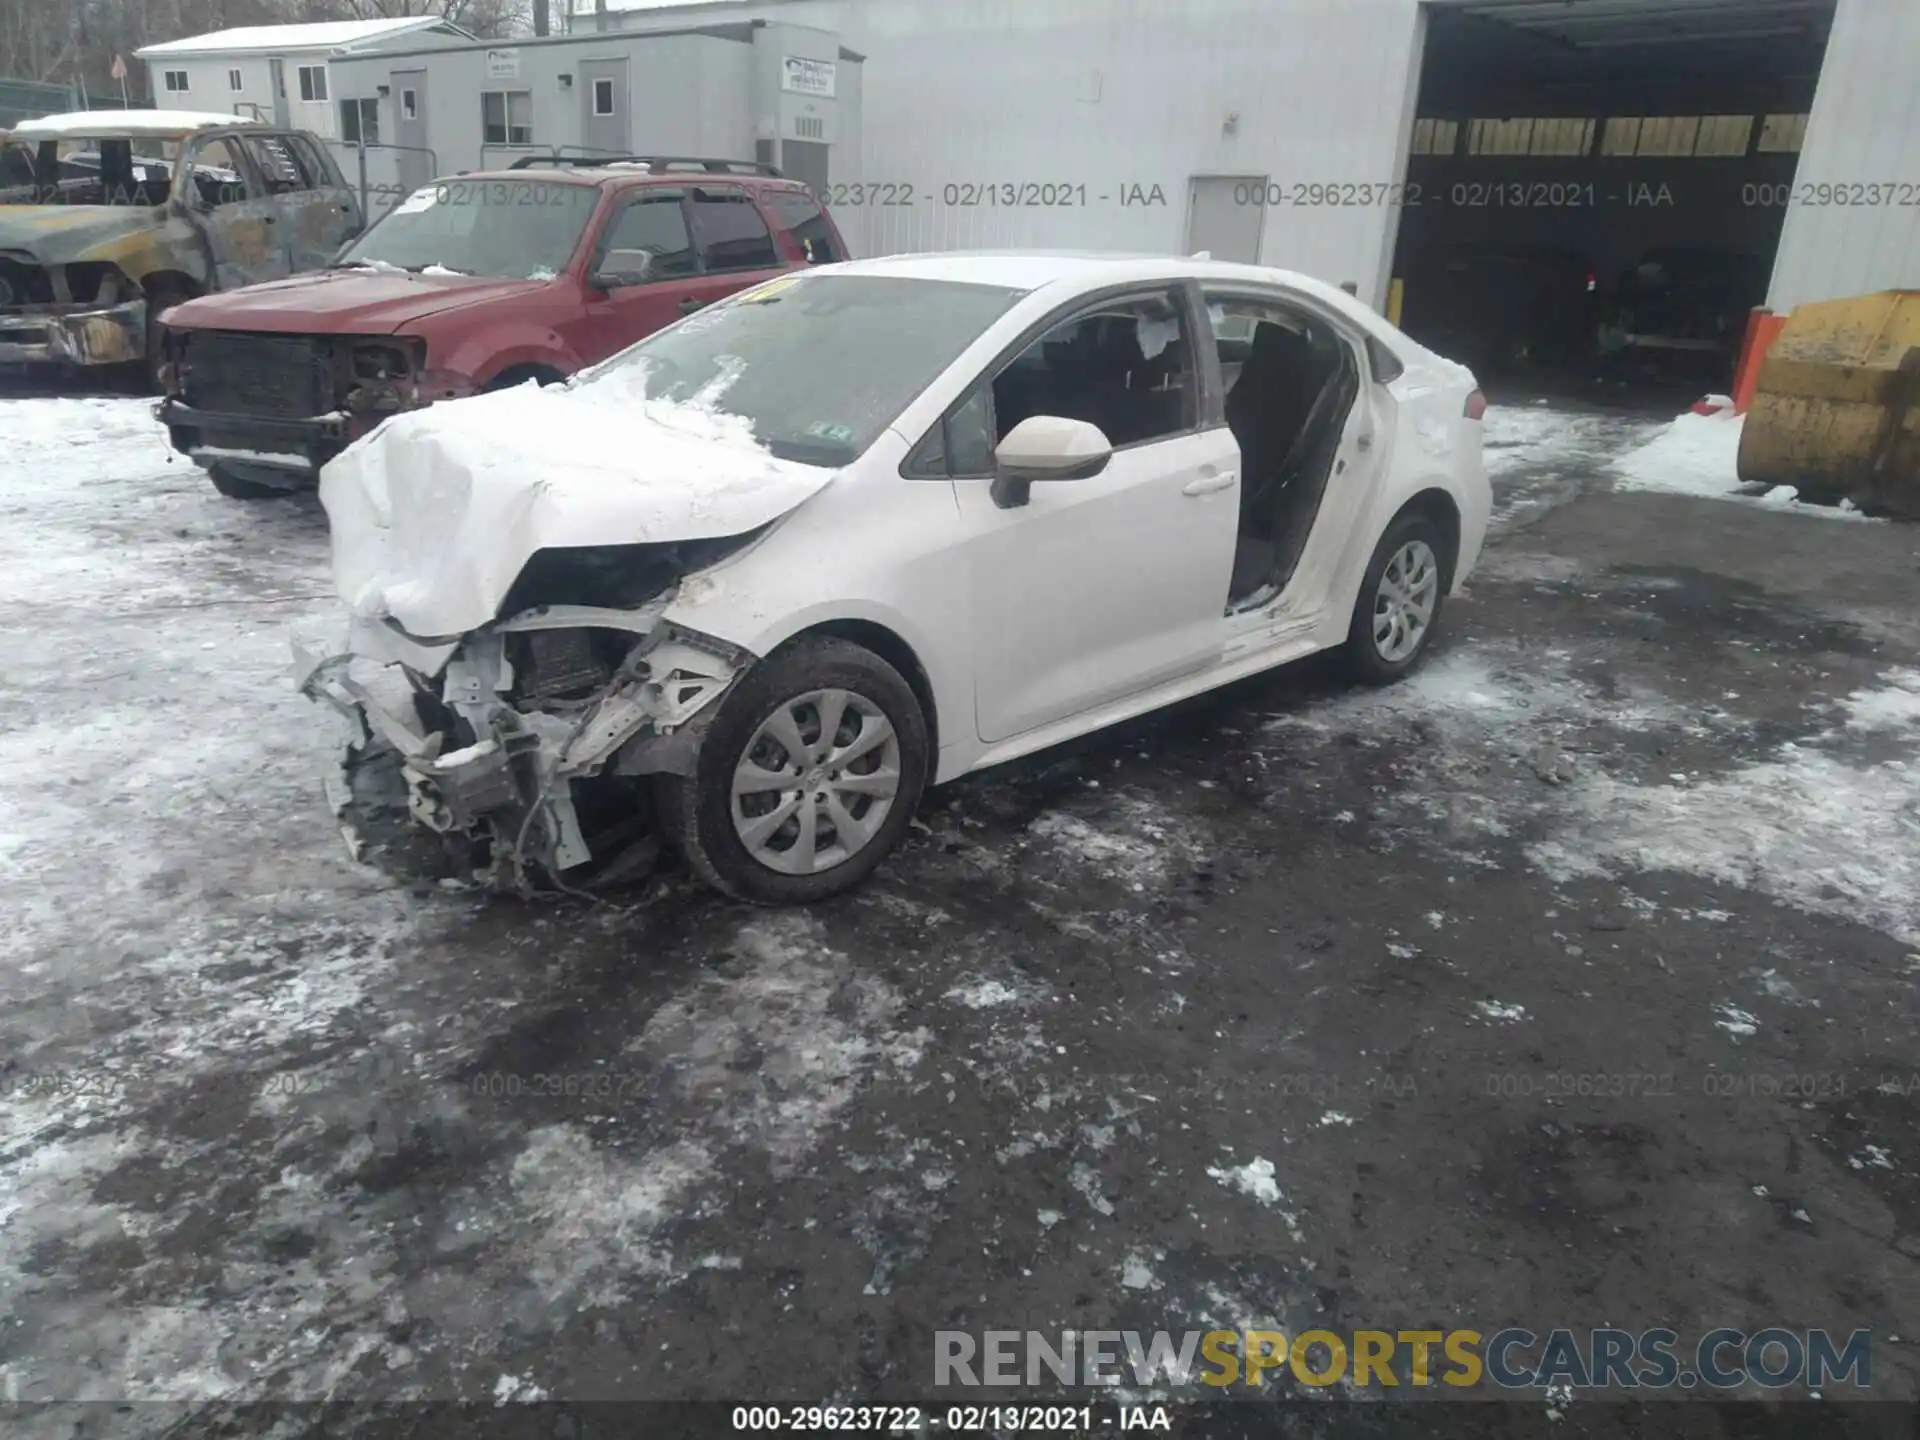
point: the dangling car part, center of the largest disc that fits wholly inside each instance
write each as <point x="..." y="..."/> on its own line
<point x="522" y="713"/>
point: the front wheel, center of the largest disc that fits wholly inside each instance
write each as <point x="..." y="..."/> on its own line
<point x="1399" y="604"/>
<point x="808" y="777"/>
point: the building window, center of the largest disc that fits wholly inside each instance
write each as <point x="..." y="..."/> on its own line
<point x="1436" y="137"/>
<point x="603" y="97"/>
<point x="233" y="80"/>
<point x="1724" y="135"/>
<point x="506" y="117"/>
<point x="1557" y="136"/>
<point x="1679" y="136"/>
<point x="175" y="81"/>
<point x="313" y="82"/>
<point x="360" y="122"/>
<point x="1782" y="134"/>
<point x="409" y="105"/>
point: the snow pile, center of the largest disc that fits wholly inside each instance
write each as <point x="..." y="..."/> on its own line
<point x="1696" y="455"/>
<point x="1699" y="455"/>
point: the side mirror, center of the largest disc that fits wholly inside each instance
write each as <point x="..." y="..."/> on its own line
<point x="1046" y="447"/>
<point x="623" y="267"/>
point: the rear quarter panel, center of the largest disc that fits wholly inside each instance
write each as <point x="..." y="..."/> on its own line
<point x="1433" y="447"/>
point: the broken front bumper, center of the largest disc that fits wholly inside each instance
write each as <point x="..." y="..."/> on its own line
<point x="260" y="447"/>
<point x="74" y="334"/>
<point x="510" y="777"/>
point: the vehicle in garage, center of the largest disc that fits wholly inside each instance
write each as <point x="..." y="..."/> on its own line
<point x="475" y="283"/>
<point x="1683" y="310"/>
<point x="108" y="218"/>
<point x="753" y="583"/>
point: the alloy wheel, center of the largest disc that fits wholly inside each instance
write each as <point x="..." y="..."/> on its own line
<point x="815" y="782"/>
<point x="1403" y="604"/>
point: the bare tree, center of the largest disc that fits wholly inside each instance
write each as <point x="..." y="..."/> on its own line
<point x="487" y="19"/>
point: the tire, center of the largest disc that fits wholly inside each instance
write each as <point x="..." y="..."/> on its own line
<point x="697" y="812"/>
<point x="235" y="488"/>
<point x="1415" y="543"/>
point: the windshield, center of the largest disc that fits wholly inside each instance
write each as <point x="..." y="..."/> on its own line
<point x="522" y="229"/>
<point x="818" y="363"/>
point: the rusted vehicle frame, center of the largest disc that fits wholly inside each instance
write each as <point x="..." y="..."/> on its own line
<point x="102" y="271"/>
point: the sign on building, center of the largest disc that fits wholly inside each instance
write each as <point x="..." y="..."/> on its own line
<point x="800" y="76"/>
<point x="503" y="64"/>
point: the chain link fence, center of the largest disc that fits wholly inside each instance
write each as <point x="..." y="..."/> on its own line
<point x="382" y="175"/>
<point x="30" y="99"/>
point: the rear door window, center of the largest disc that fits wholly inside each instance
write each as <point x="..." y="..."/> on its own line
<point x="278" y="165"/>
<point x="318" y="165"/>
<point x="656" y="223"/>
<point x="800" y="215"/>
<point x="730" y="232"/>
<point x="215" y="172"/>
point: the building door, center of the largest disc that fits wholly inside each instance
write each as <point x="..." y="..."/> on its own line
<point x="603" y="102"/>
<point x="279" y="73"/>
<point x="413" y="161"/>
<point x="1224" y="215"/>
<point x="805" y="161"/>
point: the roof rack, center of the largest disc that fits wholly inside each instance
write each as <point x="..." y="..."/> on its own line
<point x="655" y="163"/>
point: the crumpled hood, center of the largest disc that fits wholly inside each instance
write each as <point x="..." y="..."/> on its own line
<point x="361" y="302"/>
<point x="58" y="234"/>
<point x="435" y="513"/>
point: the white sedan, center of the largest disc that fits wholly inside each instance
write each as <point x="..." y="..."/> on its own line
<point x="752" y="585"/>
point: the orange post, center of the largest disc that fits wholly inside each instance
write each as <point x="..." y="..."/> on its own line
<point x="1763" y="328"/>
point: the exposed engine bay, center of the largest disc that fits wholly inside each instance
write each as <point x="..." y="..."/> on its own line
<point x="526" y="746"/>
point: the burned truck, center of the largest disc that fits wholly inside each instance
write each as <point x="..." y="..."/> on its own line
<point x="109" y="217"/>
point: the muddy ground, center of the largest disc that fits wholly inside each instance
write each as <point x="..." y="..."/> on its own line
<point x="276" y="1127"/>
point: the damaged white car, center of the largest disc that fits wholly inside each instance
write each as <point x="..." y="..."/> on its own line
<point x="751" y="585"/>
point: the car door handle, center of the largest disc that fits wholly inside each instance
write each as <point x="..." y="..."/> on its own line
<point x="689" y="305"/>
<point x="1208" y="484"/>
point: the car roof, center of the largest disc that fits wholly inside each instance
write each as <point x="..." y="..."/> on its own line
<point x="618" y="174"/>
<point x="1032" y="269"/>
<point x="126" y="124"/>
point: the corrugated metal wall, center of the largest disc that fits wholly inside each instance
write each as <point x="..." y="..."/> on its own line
<point x="1107" y="101"/>
<point x="1854" y="221"/>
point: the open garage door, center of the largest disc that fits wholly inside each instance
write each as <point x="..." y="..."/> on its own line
<point x="1596" y="187"/>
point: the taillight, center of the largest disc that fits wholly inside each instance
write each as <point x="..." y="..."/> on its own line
<point x="1476" y="406"/>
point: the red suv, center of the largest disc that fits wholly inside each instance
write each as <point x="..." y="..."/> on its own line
<point x="473" y="283"/>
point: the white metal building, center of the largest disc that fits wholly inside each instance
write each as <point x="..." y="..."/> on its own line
<point x="1351" y="139"/>
<point x="1147" y="124"/>
<point x="280" y="73"/>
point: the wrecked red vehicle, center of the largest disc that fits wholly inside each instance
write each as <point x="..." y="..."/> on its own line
<point x="473" y="283"/>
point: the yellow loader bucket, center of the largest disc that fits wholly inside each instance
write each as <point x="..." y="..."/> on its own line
<point x="1836" y="412"/>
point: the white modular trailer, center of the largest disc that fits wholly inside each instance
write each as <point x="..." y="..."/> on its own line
<point x="703" y="91"/>
<point x="282" y="74"/>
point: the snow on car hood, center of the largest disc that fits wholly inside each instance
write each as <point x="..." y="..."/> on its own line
<point x="435" y="513"/>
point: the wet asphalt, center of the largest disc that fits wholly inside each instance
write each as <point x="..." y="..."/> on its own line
<point x="1512" y="1060"/>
